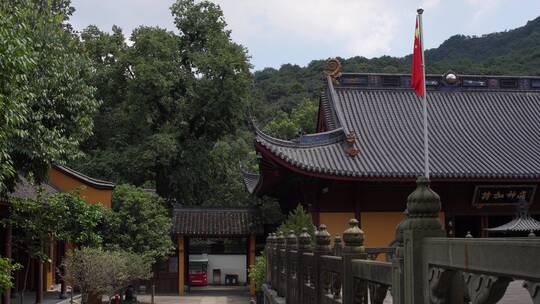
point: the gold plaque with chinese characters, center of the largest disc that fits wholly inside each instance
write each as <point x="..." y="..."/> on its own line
<point x="500" y="195"/>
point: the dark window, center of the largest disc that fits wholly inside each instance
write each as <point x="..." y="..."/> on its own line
<point x="353" y="80"/>
<point x="535" y="83"/>
<point x="508" y="83"/>
<point x="474" y="83"/>
<point x="218" y="246"/>
<point x="432" y="82"/>
<point x="391" y="81"/>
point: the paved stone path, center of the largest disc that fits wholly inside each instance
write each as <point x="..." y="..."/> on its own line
<point x="202" y="297"/>
<point x="515" y="294"/>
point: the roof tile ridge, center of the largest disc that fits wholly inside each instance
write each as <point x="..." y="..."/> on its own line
<point x="326" y="105"/>
<point x="82" y="176"/>
<point x="334" y="136"/>
<point x="439" y="75"/>
<point x="334" y="102"/>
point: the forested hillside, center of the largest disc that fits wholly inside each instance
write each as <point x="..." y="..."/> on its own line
<point x="176" y="107"/>
<point x="514" y="52"/>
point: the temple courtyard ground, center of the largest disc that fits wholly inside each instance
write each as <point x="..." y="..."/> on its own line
<point x="207" y="297"/>
<point x="515" y="294"/>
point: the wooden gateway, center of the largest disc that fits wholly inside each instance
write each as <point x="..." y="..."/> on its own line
<point x="236" y="228"/>
<point x="484" y="134"/>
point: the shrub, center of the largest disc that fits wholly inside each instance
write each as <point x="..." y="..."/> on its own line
<point x="6" y="268"/>
<point x="257" y="272"/>
<point x="104" y="272"/>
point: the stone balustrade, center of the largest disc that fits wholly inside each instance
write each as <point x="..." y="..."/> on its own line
<point x="425" y="266"/>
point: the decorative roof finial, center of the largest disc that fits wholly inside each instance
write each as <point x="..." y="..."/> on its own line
<point x="334" y="69"/>
<point x="349" y="144"/>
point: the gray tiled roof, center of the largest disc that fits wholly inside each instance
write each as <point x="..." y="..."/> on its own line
<point x="473" y="134"/>
<point x="524" y="224"/>
<point x="214" y="222"/>
<point x="26" y="189"/>
<point x="250" y="180"/>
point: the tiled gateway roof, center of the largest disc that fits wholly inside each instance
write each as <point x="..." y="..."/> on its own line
<point x="482" y="131"/>
<point x="215" y="222"/>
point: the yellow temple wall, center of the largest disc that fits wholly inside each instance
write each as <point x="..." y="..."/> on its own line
<point x="91" y="195"/>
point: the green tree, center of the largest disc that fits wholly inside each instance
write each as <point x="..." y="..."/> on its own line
<point x="38" y="222"/>
<point x="7" y="267"/>
<point x="171" y="102"/>
<point x="301" y="120"/>
<point x="45" y="91"/>
<point x="296" y="221"/>
<point x="17" y="62"/>
<point x="138" y="222"/>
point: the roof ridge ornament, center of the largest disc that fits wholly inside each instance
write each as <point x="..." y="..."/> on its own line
<point x="349" y="144"/>
<point x="334" y="69"/>
<point x="450" y="77"/>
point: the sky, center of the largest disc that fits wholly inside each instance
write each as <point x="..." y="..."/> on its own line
<point x="276" y="32"/>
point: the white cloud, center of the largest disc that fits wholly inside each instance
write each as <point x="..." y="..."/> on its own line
<point x="364" y="27"/>
<point x="482" y="9"/>
<point x="430" y="3"/>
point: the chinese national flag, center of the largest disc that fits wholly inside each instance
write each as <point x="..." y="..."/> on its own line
<point x="417" y="81"/>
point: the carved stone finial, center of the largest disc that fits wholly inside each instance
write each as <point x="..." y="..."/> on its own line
<point x="270" y="239"/>
<point x="291" y="240"/>
<point x="338" y="245"/>
<point x="353" y="238"/>
<point x="423" y="207"/>
<point x="422" y="213"/>
<point x="531" y="234"/>
<point x="334" y="69"/>
<point x="322" y="239"/>
<point x="280" y="241"/>
<point x="304" y="240"/>
<point x="468" y="235"/>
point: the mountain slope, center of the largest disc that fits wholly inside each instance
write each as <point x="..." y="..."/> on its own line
<point x="513" y="52"/>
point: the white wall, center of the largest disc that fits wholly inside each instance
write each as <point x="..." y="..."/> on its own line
<point x="228" y="263"/>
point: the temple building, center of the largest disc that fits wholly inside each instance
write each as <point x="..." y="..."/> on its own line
<point x="60" y="178"/>
<point x="484" y="145"/>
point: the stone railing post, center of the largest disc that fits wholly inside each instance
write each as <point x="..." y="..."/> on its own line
<point x="304" y="245"/>
<point x="422" y="220"/>
<point x="353" y="239"/>
<point x="268" y="248"/>
<point x="292" y="263"/>
<point x="274" y="262"/>
<point x="338" y="245"/>
<point x="322" y="247"/>
<point x="280" y="250"/>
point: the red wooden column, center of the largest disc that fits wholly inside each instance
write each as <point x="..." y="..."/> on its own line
<point x="251" y="256"/>
<point x="181" y="259"/>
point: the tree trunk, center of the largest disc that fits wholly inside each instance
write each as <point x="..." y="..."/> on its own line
<point x="27" y="270"/>
<point x="39" y="281"/>
<point x="93" y="298"/>
<point x="63" y="287"/>
<point x="6" y="296"/>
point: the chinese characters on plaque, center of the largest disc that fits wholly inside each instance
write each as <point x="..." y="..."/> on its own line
<point x="502" y="195"/>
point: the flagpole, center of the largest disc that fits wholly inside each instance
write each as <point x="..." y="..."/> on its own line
<point x="424" y="98"/>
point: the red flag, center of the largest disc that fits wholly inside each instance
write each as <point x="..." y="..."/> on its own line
<point x="417" y="81"/>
